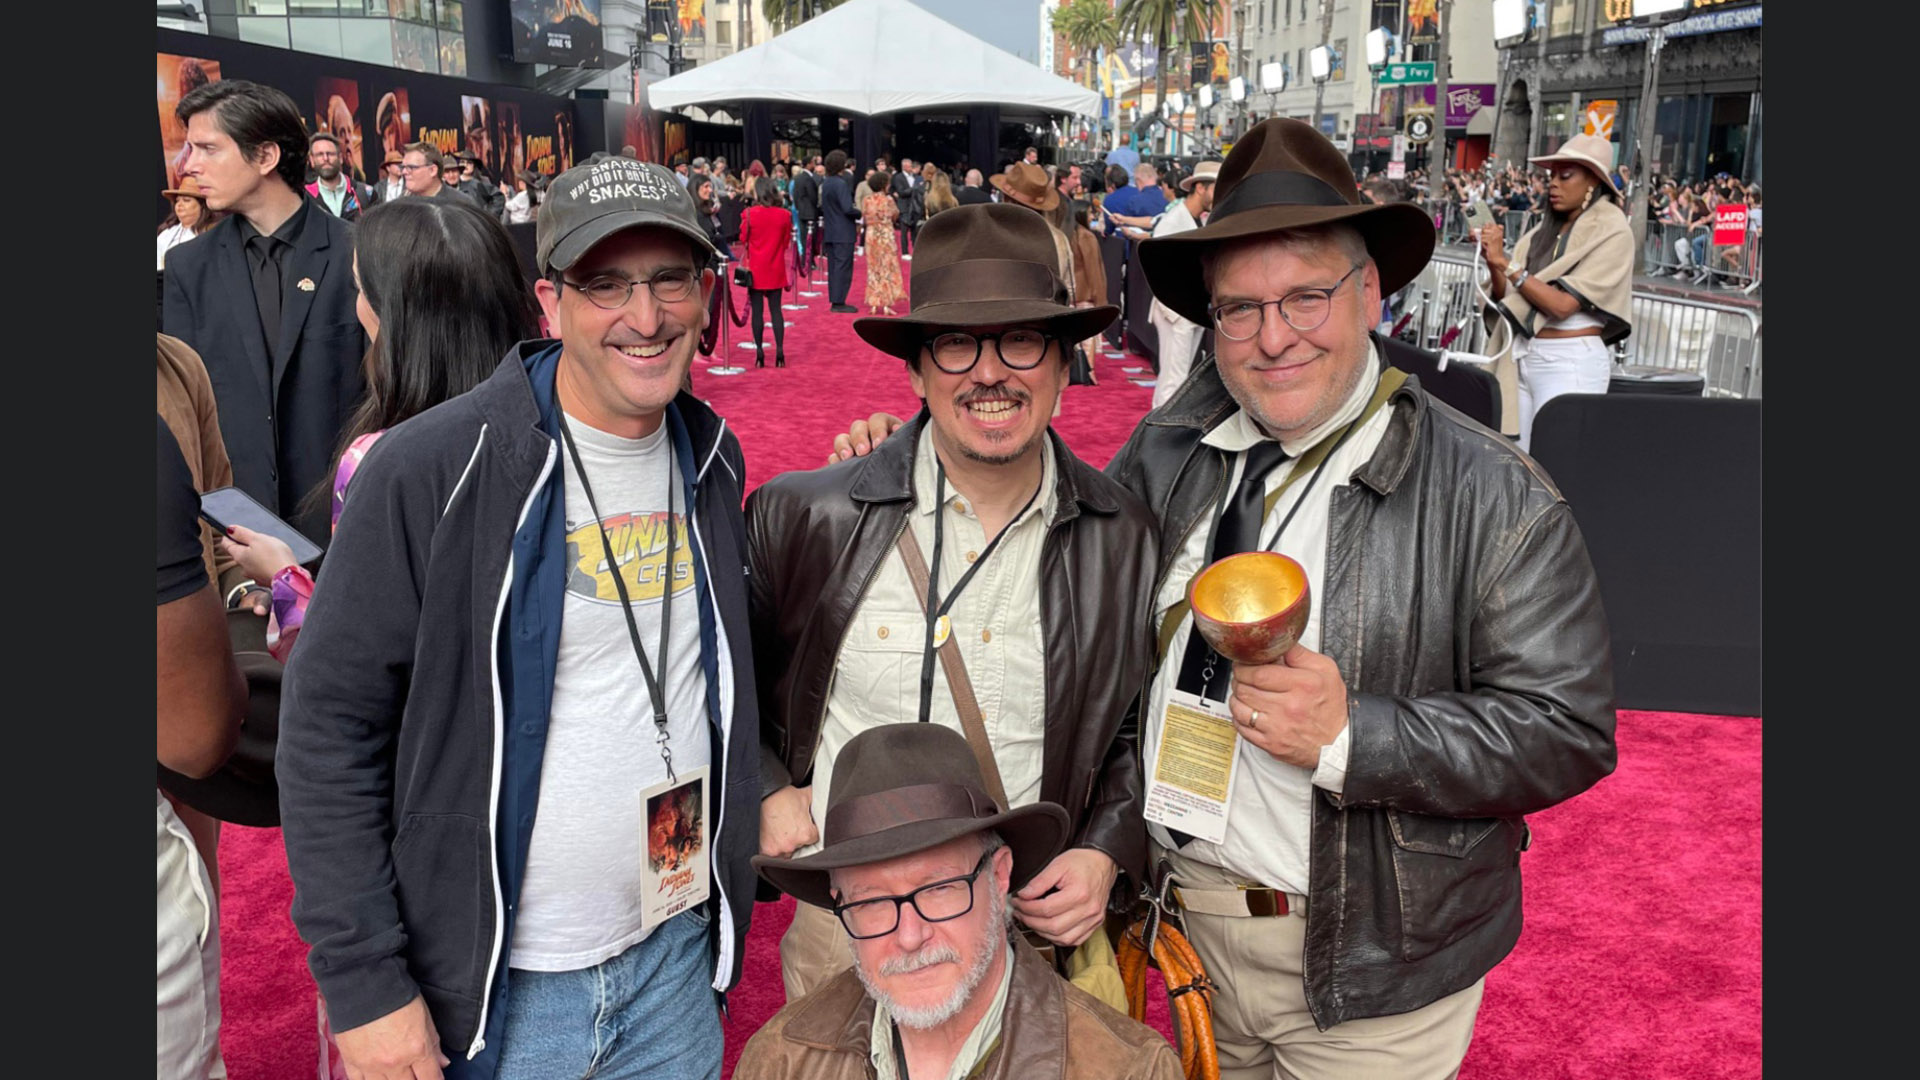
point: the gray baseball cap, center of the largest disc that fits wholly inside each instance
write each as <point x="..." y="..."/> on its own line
<point x="605" y="195"/>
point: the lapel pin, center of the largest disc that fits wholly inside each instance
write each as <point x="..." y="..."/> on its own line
<point x="305" y="284"/>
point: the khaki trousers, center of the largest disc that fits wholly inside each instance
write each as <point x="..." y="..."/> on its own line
<point x="1260" y="1018"/>
<point x="814" y="949"/>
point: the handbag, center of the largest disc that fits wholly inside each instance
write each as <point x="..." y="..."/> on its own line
<point x="1080" y="371"/>
<point x="743" y="277"/>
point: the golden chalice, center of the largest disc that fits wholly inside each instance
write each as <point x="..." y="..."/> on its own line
<point x="1251" y="607"/>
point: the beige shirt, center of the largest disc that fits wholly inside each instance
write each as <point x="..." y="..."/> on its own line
<point x="978" y="1042"/>
<point x="996" y="623"/>
<point x="1269" y="817"/>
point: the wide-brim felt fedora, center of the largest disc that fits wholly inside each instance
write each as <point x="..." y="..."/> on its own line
<point x="1027" y="185"/>
<point x="899" y="789"/>
<point x="1284" y="175"/>
<point x="984" y="266"/>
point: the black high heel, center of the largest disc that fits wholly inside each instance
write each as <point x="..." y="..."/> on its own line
<point x="760" y="357"/>
<point x="780" y="358"/>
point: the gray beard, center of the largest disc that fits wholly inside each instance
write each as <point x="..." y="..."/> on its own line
<point x="924" y="1019"/>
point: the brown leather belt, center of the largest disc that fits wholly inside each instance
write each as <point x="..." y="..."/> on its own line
<point x="1248" y="900"/>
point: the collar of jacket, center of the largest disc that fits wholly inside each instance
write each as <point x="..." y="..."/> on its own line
<point x="1033" y="1029"/>
<point x="519" y="397"/>
<point x="886" y="474"/>
<point x="1203" y="404"/>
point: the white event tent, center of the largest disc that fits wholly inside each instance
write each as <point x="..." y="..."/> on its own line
<point x="868" y="57"/>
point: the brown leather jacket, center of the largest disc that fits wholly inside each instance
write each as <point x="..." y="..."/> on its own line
<point x="1051" y="1030"/>
<point x="816" y="539"/>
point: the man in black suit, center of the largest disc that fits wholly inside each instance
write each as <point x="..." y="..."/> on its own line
<point x="972" y="193"/>
<point x="907" y="199"/>
<point x="805" y="190"/>
<point x="333" y="187"/>
<point x="475" y="184"/>
<point x="839" y="223"/>
<point x="267" y="299"/>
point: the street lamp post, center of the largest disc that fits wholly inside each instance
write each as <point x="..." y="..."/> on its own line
<point x="1509" y="30"/>
<point x="1273" y="79"/>
<point x="1237" y="93"/>
<point x="1378" y="39"/>
<point x="1320" y="66"/>
<point x="1206" y="116"/>
<point x="1658" y="15"/>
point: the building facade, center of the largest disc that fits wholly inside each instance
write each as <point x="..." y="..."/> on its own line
<point x="1579" y="68"/>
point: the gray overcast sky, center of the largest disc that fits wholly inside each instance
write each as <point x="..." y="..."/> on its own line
<point x="1013" y="25"/>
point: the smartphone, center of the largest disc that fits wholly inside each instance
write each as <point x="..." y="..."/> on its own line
<point x="231" y="506"/>
<point x="1479" y="216"/>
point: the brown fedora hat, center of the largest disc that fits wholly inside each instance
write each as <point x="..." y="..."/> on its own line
<point x="902" y="788"/>
<point x="986" y="265"/>
<point x="1284" y="175"/>
<point x="393" y="158"/>
<point x="1027" y="185"/>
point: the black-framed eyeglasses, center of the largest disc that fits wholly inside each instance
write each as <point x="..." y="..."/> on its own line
<point x="1302" y="309"/>
<point x="610" y="291"/>
<point x="1021" y="349"/>
<point x="940" y="901"/>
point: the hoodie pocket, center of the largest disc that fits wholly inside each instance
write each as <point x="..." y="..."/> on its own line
<point x="440" y="872"/>
<point x="1452" y="875"/>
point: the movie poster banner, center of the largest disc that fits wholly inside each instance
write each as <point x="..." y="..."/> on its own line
<point x="693" y="21"/>
<point x="564" y="33"/>
<point x="373" y="109"/>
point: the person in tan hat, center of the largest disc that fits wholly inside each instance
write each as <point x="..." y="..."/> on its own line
<point x="973" y="573"/>
<point x="1567" y="289"/>
<point x="391" y="184"/>
<point x="1179" y="337"/>
<point x="190" y="218"/>
<point x="919" y="867"/>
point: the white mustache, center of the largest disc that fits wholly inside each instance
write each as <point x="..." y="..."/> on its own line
<point x="927" y="957"/>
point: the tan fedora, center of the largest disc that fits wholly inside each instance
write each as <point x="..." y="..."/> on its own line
<point x="903" y="788"/>
<point x="1592" y="151"/>
<point x="1027" y="185"/>
<point x="987" y="265"/>
<point x="1284" y="175"/>
<point x="188" y="186"/>
<point x="1206" y="170"/>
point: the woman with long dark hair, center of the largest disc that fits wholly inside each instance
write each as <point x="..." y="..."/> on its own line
<point x="189" y="219"/>
<point x="767" y="231"/>
<point x="1572" y="292"/>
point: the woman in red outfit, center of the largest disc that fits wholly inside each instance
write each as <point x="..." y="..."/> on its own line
<point x="767" y="230"/>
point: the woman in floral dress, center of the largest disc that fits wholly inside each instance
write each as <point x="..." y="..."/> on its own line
<point x="877" y="213"/>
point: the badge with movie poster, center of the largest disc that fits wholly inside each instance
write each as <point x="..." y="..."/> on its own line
<point x="673" y="873"/>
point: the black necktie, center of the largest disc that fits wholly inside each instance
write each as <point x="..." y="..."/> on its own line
<point x="1238" y="531"/>
<point x="266" y="287"/>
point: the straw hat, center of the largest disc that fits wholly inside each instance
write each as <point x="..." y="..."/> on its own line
<point x="1592" y="151"/>
<point x="1206" y="170"/>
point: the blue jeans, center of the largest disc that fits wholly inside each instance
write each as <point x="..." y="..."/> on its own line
<point x="648" y="1012"/>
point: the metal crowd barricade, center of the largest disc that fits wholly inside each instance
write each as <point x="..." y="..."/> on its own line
<point x="1440" y="309"/>
<point x="1737" y="265"/>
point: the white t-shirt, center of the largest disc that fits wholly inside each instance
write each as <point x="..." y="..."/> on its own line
<point x="167" y="241"/>
<point x="580" y="901"/>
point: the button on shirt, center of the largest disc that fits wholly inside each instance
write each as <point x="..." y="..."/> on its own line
<point x="266" y="265"/>
<point x="1270" y="815"/>
<point x="995" y="623"/>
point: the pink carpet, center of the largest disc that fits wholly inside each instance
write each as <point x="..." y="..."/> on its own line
<point x="1641" y="954"/>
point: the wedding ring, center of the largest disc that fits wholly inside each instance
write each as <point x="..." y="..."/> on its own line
<point x="1254" y="719"/>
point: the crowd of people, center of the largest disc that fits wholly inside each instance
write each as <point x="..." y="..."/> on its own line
<point x="563" y="699"/>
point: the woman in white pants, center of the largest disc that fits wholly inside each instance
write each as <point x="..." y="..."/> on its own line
<point x="1567" y="288"/>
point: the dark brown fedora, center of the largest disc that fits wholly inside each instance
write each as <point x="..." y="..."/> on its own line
<point x="1284" y="175"/>
<point x="902" y="788"/>
<point x="979" y="267"/>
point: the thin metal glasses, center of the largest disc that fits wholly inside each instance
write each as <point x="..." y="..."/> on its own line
<point x="669" y="286"/>
<point x="1302" y="309"/>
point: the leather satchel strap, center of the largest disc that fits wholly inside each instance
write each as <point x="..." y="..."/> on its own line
<point x="971" y="723"/>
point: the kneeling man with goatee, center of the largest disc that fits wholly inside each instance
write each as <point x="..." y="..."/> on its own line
<point x="972" y="574"/>
<point x="918" y="866"/>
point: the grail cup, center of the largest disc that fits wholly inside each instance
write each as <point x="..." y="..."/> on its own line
<point x="1251" y="607"/>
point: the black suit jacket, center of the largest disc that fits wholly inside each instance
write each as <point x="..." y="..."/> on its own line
<point x="806" y="195"/>
<point x="837" y="211"/>
<point x="971" y="196"/>
<point x="282" y="408"/>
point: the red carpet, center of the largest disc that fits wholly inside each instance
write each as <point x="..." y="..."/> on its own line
<point x="1641" y="954"/>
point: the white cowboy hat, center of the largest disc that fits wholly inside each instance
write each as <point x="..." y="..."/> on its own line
<point x="1592" y="151"/>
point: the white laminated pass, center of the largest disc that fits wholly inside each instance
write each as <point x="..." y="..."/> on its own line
<point x="674" y="872"/>
<point x="1193" y="767"/>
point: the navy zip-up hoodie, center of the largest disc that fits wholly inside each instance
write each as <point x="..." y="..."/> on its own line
<point x="414" y="711"/>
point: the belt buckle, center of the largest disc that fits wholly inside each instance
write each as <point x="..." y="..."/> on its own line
<point x="1264" y="902"/>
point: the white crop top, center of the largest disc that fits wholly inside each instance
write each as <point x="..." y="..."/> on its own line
<point x="1579" y="320"/>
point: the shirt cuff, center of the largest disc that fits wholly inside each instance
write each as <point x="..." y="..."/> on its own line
<point x="1331" y="773"/>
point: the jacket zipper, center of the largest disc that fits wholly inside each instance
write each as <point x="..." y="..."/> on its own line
<point x="499" y="733"/>
<point x="723" y="666"/>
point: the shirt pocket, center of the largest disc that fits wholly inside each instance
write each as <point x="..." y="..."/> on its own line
<point x="878" y="672"/>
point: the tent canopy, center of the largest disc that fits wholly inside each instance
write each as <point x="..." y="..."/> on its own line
<point x="868" y="57"/>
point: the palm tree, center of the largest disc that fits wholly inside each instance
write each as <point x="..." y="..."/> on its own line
<point x="1160" y="19"/>
<point x="1088" y="25"/>
<point x="787" y="14"/>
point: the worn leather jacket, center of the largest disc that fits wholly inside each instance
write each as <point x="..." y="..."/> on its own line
<point x="1049" y="1028"/>
<point x="817" y="538"/>
<point x="1463" y="612"/>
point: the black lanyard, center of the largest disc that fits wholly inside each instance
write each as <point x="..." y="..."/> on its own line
<point x="626" y="605"/>
<point x="936" y="607"/>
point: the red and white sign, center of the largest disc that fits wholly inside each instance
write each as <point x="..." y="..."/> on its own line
<point x="1396" y="170"/>
<point x="1729" y="224"/>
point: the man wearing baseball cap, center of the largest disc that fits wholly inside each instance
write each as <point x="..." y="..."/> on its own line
<point x="917" y="869"/>
<point x="521" y="728"/>
<point x="973" y="573"/>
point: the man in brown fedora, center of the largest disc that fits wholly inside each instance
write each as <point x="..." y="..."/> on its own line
<point x="918" y="869"/>
<point x="973" y="573"/>
<point x="1179" y="337"/>
<point x="392" y="184"/>
<point x="1454" y="675"/>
